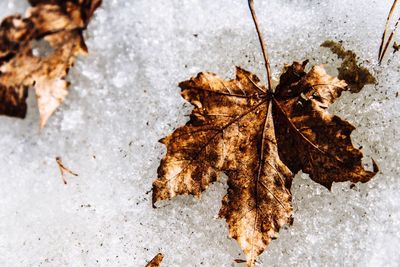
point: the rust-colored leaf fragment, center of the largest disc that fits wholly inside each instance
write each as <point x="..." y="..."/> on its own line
<point x="355" y="75"/>
<point x="64" y="170"/>
<point x="57" y="24"/>
<point x="259" y="139"/>
<point x="156" y="261"/>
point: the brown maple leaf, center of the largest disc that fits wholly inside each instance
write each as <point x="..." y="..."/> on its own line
<point x="156" y="261"/>
<point x="260" y="139"/>
<point x="60" y="24"/>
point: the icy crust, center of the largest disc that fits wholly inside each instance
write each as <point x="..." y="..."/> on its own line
<point x="124" y="98"/>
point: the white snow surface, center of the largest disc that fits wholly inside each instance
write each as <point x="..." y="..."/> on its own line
<point x="124" y="97"/>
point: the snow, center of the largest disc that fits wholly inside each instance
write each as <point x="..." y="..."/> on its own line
<point x="124" y="98"/>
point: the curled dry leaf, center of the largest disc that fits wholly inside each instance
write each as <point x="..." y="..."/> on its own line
<point x="350" y="70"/>
<point x="260" y="140"/>
<point x="156" y="261"/>
<point x="57" y="23"/>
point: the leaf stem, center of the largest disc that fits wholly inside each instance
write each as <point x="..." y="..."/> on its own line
<point x="389" y="40"/>
<point x="262" y="43"/>
<point x="380" y="55"/>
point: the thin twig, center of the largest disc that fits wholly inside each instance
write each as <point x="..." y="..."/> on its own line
<point x="389" y="39"/>
<point x="386" y="27"/>
<point x="262" y="43"/>
<point x="64" y="170"/>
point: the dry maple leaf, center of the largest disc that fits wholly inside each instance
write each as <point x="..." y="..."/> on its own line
<point x="259" y="138"/>
<point x="60" y="23"/>
<point x="156" y="261"/>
